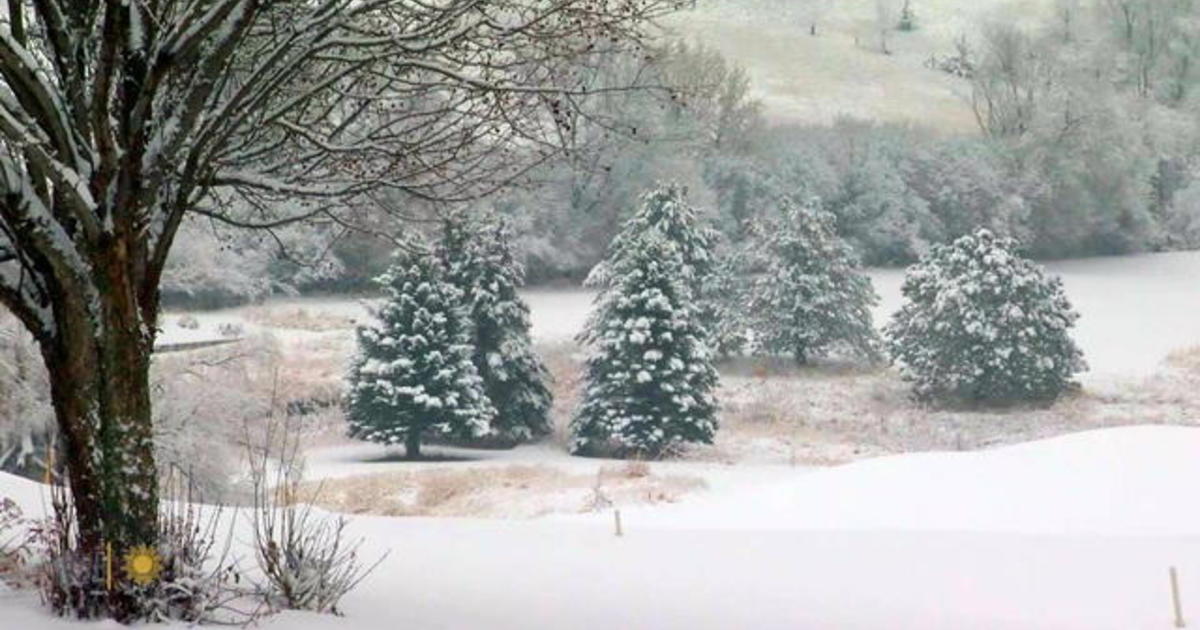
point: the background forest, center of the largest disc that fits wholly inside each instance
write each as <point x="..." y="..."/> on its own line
<point x="1082" y="144"/>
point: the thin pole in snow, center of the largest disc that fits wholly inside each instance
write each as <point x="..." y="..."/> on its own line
<point x="617" y="521"/>
<point x="1179" y="623"/>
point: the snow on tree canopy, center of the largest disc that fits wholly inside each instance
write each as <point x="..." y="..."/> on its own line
<point x="478" y="261"/>
<point x="666" y="211"/>
<point x="982" y="324"/>
<point x="813" y="297"/>
<point x="650" y="376"/>
<point x="413" y="376"/>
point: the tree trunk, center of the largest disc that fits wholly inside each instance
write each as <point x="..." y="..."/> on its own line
<point x="99" y="366"/>
<point x="412" y="444"/>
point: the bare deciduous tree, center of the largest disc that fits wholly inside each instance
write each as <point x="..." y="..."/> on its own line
<point x="118" y="118"/>
<point x="1012" y="75"/>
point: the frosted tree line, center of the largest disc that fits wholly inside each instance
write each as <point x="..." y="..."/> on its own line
<point x="981" y="324"/>
<point x="1087" y="147"/>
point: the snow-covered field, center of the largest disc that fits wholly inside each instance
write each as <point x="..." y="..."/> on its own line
<point x="807" y="79"/>
<point x="931" y="525"/>
<point x="1074" y="532"/>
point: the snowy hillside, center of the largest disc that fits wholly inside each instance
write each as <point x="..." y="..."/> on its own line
<point x="1076" y="532"/>
<point x="802" y="78"/>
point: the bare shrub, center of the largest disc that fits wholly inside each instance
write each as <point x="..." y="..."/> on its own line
<point x="15" y="543"/>
<point x="306" y="559"/>
<point x="195" y="583"/>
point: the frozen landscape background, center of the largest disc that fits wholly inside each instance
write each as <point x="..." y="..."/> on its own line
<point x="830" y="499"/>
<point x="1075" y="531"/>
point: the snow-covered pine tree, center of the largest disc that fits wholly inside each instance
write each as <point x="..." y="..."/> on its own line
<point x="812" y="297"/>
<point x="650" y="377"/>
<point x="724" y="295"/>
<point x="666" y="211"/>
<point x="413" y="376"/>
<point x="982" y="324"/>
<point x="478" y="260"/>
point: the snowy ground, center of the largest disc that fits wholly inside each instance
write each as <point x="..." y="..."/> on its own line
<point x="1074" y="532"/>
<point x="941" y="519"/>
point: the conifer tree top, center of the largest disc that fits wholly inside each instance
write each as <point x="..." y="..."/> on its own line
<point x="665" y="211"/>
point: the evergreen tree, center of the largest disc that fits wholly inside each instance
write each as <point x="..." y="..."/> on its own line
<point x="413" y="376"/>
<point x="812" y="297"/>
<point x="908" y="17"/>
<point x="724" y="295"/>
<point x="478" y="260"/>
<point x="982" y="324"/>
<point x="665" y="211"/>
<point x="650" y="376"/>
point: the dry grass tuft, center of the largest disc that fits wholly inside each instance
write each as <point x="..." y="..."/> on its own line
<point x="297" y="318"/>
<point x="564" y="360"/>
<point x="514" y="491"/>
<point x="829" y="413"/>
<point x="634" y="470"/>
<point x="1185" y="359"/>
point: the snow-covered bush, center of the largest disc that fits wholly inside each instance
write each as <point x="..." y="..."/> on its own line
<point x="478" y="259"/>
<point x="812" y="298"/>
<point x="982" y="324"/>
<point x="413" y="374"/>
<point x="649" y="375"/>
<point x="1183" y="220"/>
<point x="201" y="399"/>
